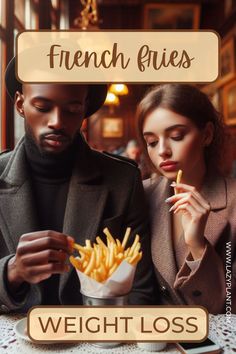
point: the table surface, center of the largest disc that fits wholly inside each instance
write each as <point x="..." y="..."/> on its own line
<point x="222" y="330"/>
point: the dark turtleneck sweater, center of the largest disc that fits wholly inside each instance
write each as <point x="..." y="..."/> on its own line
<point x="50" y="182"/>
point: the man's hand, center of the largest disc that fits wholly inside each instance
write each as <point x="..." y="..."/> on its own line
<point x="38" y="255"/>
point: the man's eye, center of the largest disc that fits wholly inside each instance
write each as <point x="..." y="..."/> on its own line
<point x="152" y="143"/>
<point x="177" y="137"/>
<point x="42" y="109"/>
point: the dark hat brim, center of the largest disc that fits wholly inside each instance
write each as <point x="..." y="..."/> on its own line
<point x="96" y="95"/>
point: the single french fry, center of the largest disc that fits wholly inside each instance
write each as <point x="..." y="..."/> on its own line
<point x="90" y="265"/>
<point x="178" y="179"/>
<point x="97" y="251"/>
<point x="126" y="237"/>
<point x="111" y="255"/>
<point x="84" y="265"/>
<point x="137" y="247"/>
<point x="126" y="252"/>
<point x="136" y="240"/>
<point x="136" y="257"/>
<point x="100" y="242"/>
<point x="119" y="246"/>
<point x="109" y="235"/>
<point x="88" y="244"/>
<point x="81" y="248"/>
<point x="75" y="262"/>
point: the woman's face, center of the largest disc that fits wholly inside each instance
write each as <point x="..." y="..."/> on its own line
<point x="174" y="142"/>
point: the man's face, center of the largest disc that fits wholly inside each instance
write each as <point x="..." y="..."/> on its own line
<point x="53" y="114"/>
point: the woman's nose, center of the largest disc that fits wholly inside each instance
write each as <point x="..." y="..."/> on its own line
<point x="164" y="149"/>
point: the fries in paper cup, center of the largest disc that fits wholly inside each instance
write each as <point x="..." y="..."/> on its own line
<point x="107" y="269"/>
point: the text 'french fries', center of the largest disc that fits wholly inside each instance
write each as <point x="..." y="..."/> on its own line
<point x="101" y="259"/>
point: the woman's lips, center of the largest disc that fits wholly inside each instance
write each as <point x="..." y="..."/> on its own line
<point x="169" y="166"/>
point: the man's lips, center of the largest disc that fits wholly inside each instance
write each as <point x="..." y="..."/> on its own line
<point x="56" y="137"/>
<point x="56" y="140"/>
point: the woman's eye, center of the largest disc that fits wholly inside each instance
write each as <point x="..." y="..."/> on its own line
<point x="177" y="137"/>
<point x="152" y="143"/>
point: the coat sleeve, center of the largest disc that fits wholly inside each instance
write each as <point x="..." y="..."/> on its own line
<point x="21" y="302"/>
<point x="143" y="287"/>
<point x="207" y="284"/>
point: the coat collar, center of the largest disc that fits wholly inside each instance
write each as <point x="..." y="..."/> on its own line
<point x="214" y="191"/>
<point x="85" y="168"/>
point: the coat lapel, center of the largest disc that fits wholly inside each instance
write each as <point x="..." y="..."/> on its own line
<point x="85" y="203"/>
<point x="215" y="192"/>
<point x="162" y="249"/>
<point x="17" y="210"/>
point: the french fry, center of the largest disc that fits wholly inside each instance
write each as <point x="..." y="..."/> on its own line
<point x="111" y="256"/>
<point x="80" y="248"/>
<point x="100" y="242"/>
<point x="90" y="265"/>
<point x="126" y="237"/>
<point x="75" y="262"/>
<point x="108" y="235"/>
<point x="136" y="257"/>
<point x="136" y="240"/>
<point x="178" y="179"/>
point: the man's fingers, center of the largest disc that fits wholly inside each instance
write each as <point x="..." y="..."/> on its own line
<point x="44" y="257"/>
<point x="43" y="243"/>
<point x="46" y="233"/>
<point x="35" y="273"/>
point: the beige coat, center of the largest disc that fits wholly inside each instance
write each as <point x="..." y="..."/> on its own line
<point x="206" y="285"/>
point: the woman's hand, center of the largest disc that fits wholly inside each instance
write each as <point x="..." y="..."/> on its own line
<point x="194" y="214"/>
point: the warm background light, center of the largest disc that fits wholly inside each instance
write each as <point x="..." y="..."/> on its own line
<point x="119" y="89"/>
<point x="112" y="99"/>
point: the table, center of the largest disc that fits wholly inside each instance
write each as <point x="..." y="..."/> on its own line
<point x="222" y="330"/>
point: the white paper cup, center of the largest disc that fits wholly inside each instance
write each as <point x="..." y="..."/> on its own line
<point x="103" y="301"/>
<point x="152" y="346"/>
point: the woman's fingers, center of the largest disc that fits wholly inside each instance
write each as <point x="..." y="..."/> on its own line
<point x="185" y="188"/>
<point x="189" y="199"/>
<point x="190" y="209"/>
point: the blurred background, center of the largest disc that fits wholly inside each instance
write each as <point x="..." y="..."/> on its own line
<point x="112" y="128"/>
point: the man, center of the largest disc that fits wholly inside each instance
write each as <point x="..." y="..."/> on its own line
<point x="53" y="190"/>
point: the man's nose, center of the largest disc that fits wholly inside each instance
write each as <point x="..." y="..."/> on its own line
<point x="164" y="148"/>
<point x="56" y="119"/>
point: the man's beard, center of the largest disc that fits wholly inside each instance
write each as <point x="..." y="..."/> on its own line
<point x="39" y="146"/>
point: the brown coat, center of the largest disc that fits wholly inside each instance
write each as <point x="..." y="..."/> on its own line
<point x="206" y="285"/>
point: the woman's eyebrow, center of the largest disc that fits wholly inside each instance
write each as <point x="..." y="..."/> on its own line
<point x="148" y="133"/>
<point x="172" y="127"/>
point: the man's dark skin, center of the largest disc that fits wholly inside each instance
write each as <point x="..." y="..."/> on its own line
<point x="53" y="115"/>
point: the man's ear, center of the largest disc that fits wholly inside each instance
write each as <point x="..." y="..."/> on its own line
<point x="19" y="103"/>
<point x="208" y="134"/>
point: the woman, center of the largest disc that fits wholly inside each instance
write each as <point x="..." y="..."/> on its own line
<point x="193" y="223"/>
